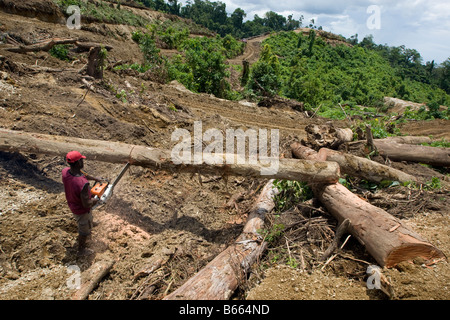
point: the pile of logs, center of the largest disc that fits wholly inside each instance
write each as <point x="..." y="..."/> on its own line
<point x="385" y="237"/>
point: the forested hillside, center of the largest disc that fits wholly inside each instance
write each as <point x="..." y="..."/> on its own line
<point x="308" y="69"/>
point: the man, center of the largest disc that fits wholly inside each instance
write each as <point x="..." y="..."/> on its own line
<point x="78" y="196"/>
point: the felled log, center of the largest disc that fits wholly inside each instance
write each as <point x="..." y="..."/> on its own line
<point x="94" y="275"/>
<point x="118" y="152"/>
<point x="404" y="149"/>
<point x="407" y="139"/>
<point x="222" y="276"/>
<point x="414" y="153"/>
<point x="364" y="168"/>
<point x="353" y="165"/>
<point x="388" y="240"/>
<point x="41" y="46"/>
<point x="46" y="45"/>
<point x="385" y="237"/>
<point x="88" y="45"/>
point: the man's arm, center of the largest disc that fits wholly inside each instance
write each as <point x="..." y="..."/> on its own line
<point x="89" y="177"/>
<point x="86" y="201"/>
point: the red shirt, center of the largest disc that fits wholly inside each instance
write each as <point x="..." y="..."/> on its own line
<point x="72" y="187"/>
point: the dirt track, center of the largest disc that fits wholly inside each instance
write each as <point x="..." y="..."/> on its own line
<point x="153" y="214"/>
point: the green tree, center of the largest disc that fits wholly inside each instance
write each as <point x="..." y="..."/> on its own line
<point x="237" y="18"/>
<point x="207" y="64"/>
<point x="265" y="74"/>
<point x="274" y="20"/>
<point x="149" y="49"/>
<point x="311" y="40"/>
<point x="444" y="76"/>
<point x="174" y="7"/>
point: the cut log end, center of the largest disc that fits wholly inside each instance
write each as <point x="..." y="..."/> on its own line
<point x="408" y="252"/>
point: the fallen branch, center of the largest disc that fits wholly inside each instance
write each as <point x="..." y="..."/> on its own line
<point x="336" y="254"/>
<point x="155" y="264"/>
<point x="341" y="230"/>
<point x="94" y="275"/>
<point x="41" y="46"/>
<point x="369" y="138"/>
<point x="221" y="277"/>
<point x="88" y="45"/>
<point x="47" y="45"/>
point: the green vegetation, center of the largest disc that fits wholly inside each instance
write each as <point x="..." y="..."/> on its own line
<point x="200" y="66"/>
<point x="60" y="51"/>
<point x="265" y="74"/>
<point x="433" y="184"/>
<point x="440" y="144"/>
<point x="290" y="193"/>
<point x="213" y="15"/>
<point x="101" y="11"/>
<point x="320" y="74"/>
<point x="272" y="234"/>
<point x="427" y="113"/>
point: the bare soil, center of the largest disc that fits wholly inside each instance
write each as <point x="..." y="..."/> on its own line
<point x="169" y="216"/>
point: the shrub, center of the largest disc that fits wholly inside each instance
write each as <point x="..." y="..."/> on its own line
<point x="60" y="51"/>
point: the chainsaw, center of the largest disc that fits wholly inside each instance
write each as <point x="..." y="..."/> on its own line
<point x="104" y="190"/>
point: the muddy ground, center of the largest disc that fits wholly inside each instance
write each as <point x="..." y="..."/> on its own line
<point x="172" y="217"/>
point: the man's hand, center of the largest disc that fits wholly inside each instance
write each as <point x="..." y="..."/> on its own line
<point x="86" y="201"/>
<point x="94" y="201"/>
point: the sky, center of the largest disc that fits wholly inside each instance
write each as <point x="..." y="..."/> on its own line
<point x="417" y="24"/>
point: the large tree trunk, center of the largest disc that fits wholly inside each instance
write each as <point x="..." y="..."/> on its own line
<point x="406" y="139"/>
<point x="405" y="149"/>
<point x="221" y="277"/>
<point x="407" y="152"/>
<point x="385" y="237"/>
<point x="356" y="166"/>
<point x="117" y="152"/>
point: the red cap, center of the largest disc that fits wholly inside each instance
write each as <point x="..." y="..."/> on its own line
<point x="74" y="156"/>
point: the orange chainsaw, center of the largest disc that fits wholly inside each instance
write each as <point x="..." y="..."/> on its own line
<point x="104" y="190"/>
